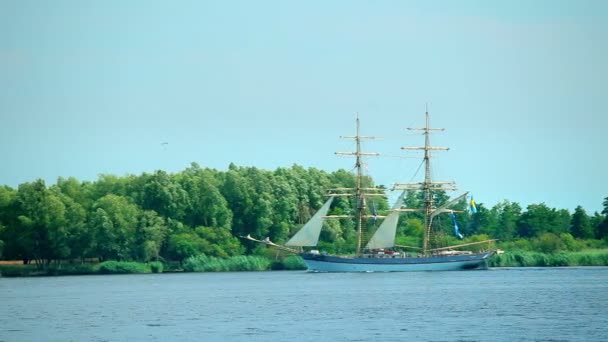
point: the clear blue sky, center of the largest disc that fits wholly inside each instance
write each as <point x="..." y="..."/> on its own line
<point x="521" y="87"/>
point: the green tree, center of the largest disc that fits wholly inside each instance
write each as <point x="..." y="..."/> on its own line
<point x="42" y="234"/>
<point x="165" y="196"/>
<point x="285" y="207"/>
<point x="262" y="210"/>
<point x="248" y="192"/>
<point x="601" y="227"/>
<point x="7" y="218"/>
<point x="186" y="244"/>
<point x="601" y="231"/>
<point x="219" y="242"/>
<point x="561" y="221"/>
<point x="580" y="226"/>
<point x="150" y="236"/>
<point x="238" y="194"/>
<point x="114" y="222"/>
<point x="412" y="227"/>
<point x="508" y="214"/>
<point x="207" y="206"/>
<point x="541" y="219"/>
<point x="106" y="184"/>
<point x="8" y="197"/>
<point x="80" y="238"/>
<point x="482" y="222"/>
<point x="74" y="189"/>
<point x="306" y="190"/>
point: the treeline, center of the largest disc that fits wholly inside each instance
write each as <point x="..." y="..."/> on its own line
<point x="537" y="228"/>
<point x="163" y="216"/>
<point x="200" y="211"/>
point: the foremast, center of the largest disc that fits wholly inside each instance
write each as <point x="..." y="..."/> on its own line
<point x="428" y="186"/>
<point x="359" y="192"/>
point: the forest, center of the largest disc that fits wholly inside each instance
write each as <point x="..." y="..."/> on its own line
<point x="201" y="212"/>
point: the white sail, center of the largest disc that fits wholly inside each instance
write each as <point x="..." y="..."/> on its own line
<point x="309" y="234"/>
<point x="444" y="208"/>
<point x="384" y="237"/>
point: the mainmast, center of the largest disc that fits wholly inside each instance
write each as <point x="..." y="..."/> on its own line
<point x="428" y="186"/>
<point x="359" y="192"/>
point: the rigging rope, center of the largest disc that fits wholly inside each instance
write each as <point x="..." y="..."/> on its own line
<point x="417" y="170"/>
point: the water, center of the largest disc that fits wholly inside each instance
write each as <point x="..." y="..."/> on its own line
<point x="518" y="304"/>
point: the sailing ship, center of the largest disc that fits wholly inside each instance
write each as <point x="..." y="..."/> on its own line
<point x="380" y="253"/>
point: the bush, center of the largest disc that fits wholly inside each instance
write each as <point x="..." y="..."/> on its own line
<point x="536" y="259"/>
<point x="72" y="269"/>
<point x="248" y="263"/>
<point x="548" y="243"/>
<point x="17" y="270"/>
<point x="561" y="259"/>
<point x="156" y="267"/>
<point x="289" y="263"/>
<point x="591" y="258"/>
<point x="570" y="243"/>
<point x="203" y="263"/>
<point x="122" y="267"/>
<point x="51" y="270"/>
<point x="294" y="262"/>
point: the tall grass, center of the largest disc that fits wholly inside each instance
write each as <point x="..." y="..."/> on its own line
<point x="73" y="269"/>
<point x="203" y="263"/>
<point x="123" y="267"/>
<point x="294" y="262"/>
<point x="19" y="270"/>
<point x="289" y="263"/>
<point x="594" y="257"/>
<point x="107" y="267"/>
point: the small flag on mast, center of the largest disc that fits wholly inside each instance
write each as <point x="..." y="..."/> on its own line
<point x="456" y="231"/>
<point x="472" y="206"/>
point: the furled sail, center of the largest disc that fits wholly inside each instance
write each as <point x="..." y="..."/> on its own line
<point x="384" y="237"/>
<point x="309" y="234"/>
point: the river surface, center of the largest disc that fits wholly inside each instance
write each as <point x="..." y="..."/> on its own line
<point x="502" y="304"/>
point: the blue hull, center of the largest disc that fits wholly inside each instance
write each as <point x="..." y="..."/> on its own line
<point x="328" y="263"/>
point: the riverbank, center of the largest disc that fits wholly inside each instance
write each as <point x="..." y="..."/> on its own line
<point x="193" y="264"/>
<point x="593" y="257"/>
<point x="203" y="263"/>
<point x="107" y="267"/>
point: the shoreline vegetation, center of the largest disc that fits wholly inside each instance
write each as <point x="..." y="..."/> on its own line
<point x="203" y="263"/>
<point x="200" y="263"/>
<point x="191" y="221"/>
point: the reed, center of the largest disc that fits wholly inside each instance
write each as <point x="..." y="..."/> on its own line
<point x="594" y="257"/>
<point x="248" y="263"/>
<point x="203" y="263"/>
<point x="123" y="267"/>
<point x="289" y="263"/>
<point x="18" y="270"/>
<point x="293" y="263"/>
<point x="73" y="269"/>
<point x="51" y="270"/>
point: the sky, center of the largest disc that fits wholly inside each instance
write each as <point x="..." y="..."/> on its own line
<point x="125" y="87"/>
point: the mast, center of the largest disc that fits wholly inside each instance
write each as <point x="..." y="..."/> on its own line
<point x="359" y="192"/>
<point x="428" y="185"/>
